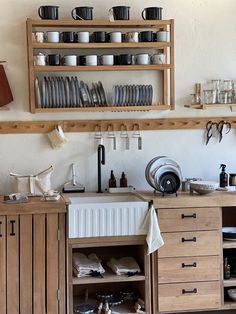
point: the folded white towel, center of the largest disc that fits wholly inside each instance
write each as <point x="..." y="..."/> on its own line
<point x="124" y="265"/>
<point x="83" y="265"/>
<point x="151" y="227"/>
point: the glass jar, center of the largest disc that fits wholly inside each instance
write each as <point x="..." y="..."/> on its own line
<point x="232" y="179"/>
<point x="223" y="97"/>
<point x="208" y="96"/>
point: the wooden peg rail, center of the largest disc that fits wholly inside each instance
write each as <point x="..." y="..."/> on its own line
<point x="28" y="127"/>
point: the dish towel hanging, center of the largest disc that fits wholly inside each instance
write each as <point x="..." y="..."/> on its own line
<point x="5" y="90"/>
<point x="151" y="227"/>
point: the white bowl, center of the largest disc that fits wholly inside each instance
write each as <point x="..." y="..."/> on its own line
<point x="232" y="294"/>
<point x="204" y="187"/>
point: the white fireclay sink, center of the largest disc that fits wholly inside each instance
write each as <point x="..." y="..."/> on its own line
<point x="93" y="215"/>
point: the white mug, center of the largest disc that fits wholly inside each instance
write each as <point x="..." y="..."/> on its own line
<point x="107" y="59"/>
<point x="132" y="37"/>
<point x="40" y="59"/>
<point x="70" y="60"/>
<point x="159" y="58"/>
<point x="162" y="36"/>
<point x="142" y="58"/>
<point x="38" y="37"/>
<point x="91" y="60"/>
<point x="53" y="37"/>
<point x="115" y="37"/>
<point x="83" y="37"/>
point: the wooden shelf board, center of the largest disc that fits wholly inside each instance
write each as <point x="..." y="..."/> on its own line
<point x="105" y="109"/>
<point x="230" y="282"/>
<point x="229" y="245"/>
<point x="99" y="23"/>
<point x="154" y="45"/>
<point x="148" y="67"/>
<point x="210" y="106"/>
<point x="229" y="305"/>
<point x="108" y="277"/>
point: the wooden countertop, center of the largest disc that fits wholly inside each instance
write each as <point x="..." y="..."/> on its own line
<point x="35" y="205"/>
<point x="185" y="199"/>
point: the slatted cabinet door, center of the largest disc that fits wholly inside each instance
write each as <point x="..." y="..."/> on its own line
<point x="3" y="286"/>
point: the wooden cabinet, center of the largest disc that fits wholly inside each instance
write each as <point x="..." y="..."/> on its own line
<point x="106" y="247"/>
<point x="32" y="260"/>
<point x="188" y="266"/>
<point x="167" y="90"/>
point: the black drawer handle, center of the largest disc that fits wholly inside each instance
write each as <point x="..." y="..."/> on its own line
<point x="0" y="229"/>
<point x="189" y="216"/>
<point x="189" y="291"/>
<point x="189" y="265"/>
<point x="194" y="239"/>
<point x="12" y="222"/>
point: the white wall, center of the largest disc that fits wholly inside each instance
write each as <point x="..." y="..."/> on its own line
<point x="205" y="49"/>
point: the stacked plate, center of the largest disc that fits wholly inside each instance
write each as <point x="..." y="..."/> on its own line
<point x="68" y="92"/>
<point x="132" y="95"/>
<point x="163" y="174"/>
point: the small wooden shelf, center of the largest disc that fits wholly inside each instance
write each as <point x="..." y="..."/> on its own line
<point x="143" y="45"/>
<point x="148" y="67"/>
<point x="230" y="282"/>
<point x="229" y="245"/>
<point x="211" y="106"/>
<point x="229" y="305"/>
<point x="108" y="277"/>
<point x="100" y="23"/>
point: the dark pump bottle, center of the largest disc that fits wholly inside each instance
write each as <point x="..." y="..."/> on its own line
<point x="223" y="177"/>
<point x="123" y="181"/>
<point x="112" y="180"/>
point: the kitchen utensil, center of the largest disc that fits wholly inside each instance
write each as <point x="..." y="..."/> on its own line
<point x="136" y="134"/>
<point x="169" y="182"/>
<point x="211" y="128"/>
<point x="204" y="187"/>
<point x="119" y="12"/>
<point x="152" y="13"/>
<point x="73" y="186"/>
<point x="220" y="128"/>
<point x="124" y="135"/>
<point x="111" y="135"/>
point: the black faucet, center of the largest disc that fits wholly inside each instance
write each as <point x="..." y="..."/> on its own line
<point x="101" y="161"/>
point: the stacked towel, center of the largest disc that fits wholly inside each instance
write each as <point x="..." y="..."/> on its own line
<point x="85" y="266"/>
<point x="124" y="265"/>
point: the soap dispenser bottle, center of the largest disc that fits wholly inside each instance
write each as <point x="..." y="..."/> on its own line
<point x="123" y="181"/>
<point x="223" y="176"/>
<point x="112" y="180"/>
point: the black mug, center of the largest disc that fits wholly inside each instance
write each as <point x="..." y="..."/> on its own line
<point x="152" y="13"/>
<point x="48" y="12"/>
<point x="82" y="60"/>
<point x="68" y="37"/>
<point x="146" y="36"/>
<point x="120" y="12"/>
<point x="82" y="13"/>
<point x="99" y="37"/>
<point x="126" y="59"/>
<point x="54" y="59"/>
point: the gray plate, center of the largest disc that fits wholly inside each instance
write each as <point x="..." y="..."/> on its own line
<point x="78" y="100"/>
<point x="37" y="93"/>
<point x="67" y="91"/>
<point x="102" y="93"/>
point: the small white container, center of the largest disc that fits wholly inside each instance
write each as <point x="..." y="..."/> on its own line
<point x="91" y="60"/>
<point x="38" y="37"/>
<point x="83" y="37"/>
<point x="162" y="36"/>
<point x="142" y="59"/>
<point x="40" y="60"/>
<point x="115" y="37"/>
<point x="159" y="58"/>
<point x="70" y="60"/>
<point x="53" y="37"/>
<point x="107" y="59"/>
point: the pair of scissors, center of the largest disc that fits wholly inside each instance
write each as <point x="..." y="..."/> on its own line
<point x="209" y="128"/>
<point x="220" y="128"/>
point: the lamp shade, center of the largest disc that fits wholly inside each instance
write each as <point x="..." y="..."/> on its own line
<point x="5" y="90"/>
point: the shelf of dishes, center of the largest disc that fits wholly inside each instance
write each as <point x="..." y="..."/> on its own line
<point x="147" y="67"/>
<point x="53" y="92"/>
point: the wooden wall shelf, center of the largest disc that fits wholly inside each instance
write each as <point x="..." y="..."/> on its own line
<point x="18" y="127"/>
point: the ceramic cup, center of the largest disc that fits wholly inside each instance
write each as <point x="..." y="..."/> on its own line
<point x="162" y="36"/>
<point x="68" y="37"/>
<point x="53" y="37"/>
<point x="152" y="13"/>
<point x="40" y="59"/>
<point x="115" y="37"/>
<point x="82" y="60"/>
<point x="119" y="13"/>
<point x="83" y="37"/>
<point x="70" y="60"/>
<point x="82" y="13"/>
<point x="91" y="60"/>
<point x="142" y="58"/>
<point x="146" y="36"/>
<point x="125" y="59"/>
<point x="54" y="59"/>
<point x="107" y="59"/>
<point x="132" y="37"/>
<point x="159" y="58"/>
<point x="38" y="37"/>
<point x="48" y="12"/>
<point x="99" y="37"/>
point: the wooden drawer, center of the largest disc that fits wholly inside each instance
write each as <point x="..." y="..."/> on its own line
<point x="187" y="269"/>
<point x="198" y="243"/>
<point x="189" y="219"/>
<point x="189" y="296"/>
